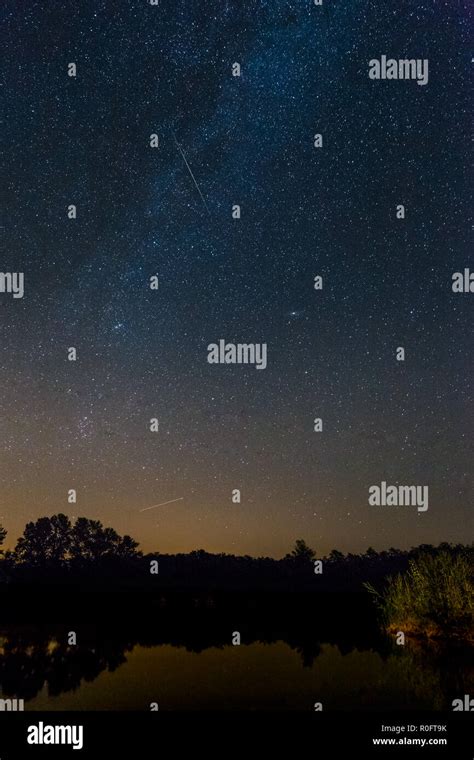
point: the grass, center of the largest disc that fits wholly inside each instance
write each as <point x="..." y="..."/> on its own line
<point x="434" y="598"/>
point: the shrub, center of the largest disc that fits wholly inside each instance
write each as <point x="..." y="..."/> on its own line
<point x="434" y="597"/>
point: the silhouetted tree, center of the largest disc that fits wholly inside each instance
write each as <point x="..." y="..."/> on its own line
<point x="3" y="535"/>
<point x="302" y="554"/>
<point x="4" y="577"/>
<point x="91" y="542"/>
<point x="127" y="547"/>
<point x="45" y="541"/>
<point x="53" y="540"/>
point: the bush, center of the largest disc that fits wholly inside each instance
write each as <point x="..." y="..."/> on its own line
<point x="435" y="597"/>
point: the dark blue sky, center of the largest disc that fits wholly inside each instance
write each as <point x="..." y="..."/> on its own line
<point x="305" y="211"/>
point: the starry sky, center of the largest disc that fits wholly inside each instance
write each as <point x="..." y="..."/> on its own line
<point x="247" y="140"/>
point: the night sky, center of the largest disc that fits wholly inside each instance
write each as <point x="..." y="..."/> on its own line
<point x="305" y="211"/>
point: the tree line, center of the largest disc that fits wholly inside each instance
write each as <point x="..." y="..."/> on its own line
<point x="55" y="550"/>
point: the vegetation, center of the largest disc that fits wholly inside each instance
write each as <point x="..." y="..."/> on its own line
<point x="54" y="540"/>
<point x="3" y="534"/>
<point x="431" y="590"/>
<point x="434" y="598"/>
<point x="302" y="554"/>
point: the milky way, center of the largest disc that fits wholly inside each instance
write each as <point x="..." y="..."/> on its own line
<point x="167" y="211"/>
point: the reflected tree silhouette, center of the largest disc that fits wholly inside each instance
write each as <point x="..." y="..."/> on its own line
<point x="34" y="658"/>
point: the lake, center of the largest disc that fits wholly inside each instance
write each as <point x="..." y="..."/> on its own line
<point x="121" y="674"/>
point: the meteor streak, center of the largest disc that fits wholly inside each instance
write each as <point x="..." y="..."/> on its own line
<point x="162" y="504"/>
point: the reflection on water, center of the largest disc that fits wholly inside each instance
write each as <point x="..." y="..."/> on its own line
<point x="118" y="674"/>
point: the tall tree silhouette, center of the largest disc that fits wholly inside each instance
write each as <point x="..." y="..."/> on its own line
<point x="91" y="542"/>
<point x="302" y="554"/>
<point x="4" y="578"/>
<point x="45" y="541"/>
<point x="3" y="534"/>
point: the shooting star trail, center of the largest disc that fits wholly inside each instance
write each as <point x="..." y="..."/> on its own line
<point x="162" y="504"/>
<point x="192" y="175"/>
